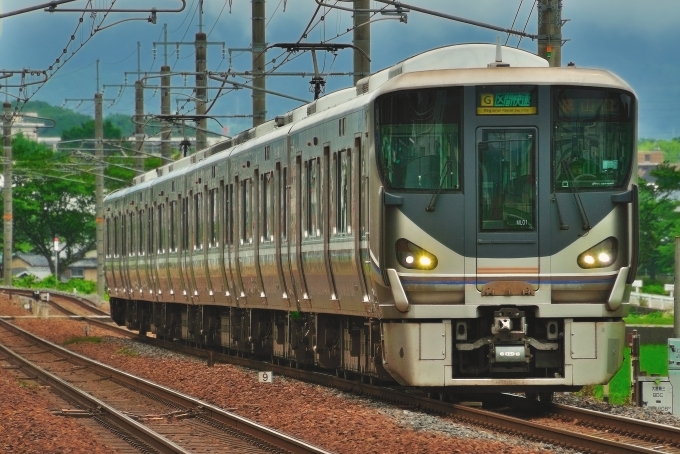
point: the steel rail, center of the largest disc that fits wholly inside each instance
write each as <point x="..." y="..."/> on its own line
<point x="230" y="420"/>
<point x="606" y="421"/>
<point x="410" y="397"/>
<point x="79" y="300"/>
<point x="94" y="405"/>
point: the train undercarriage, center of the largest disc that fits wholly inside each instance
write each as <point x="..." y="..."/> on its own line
<point x="505" y="348"/>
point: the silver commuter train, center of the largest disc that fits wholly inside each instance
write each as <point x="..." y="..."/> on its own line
<point x="461" y="220"/>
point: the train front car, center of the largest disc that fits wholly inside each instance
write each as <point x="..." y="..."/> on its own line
<point x="507" y="217"/>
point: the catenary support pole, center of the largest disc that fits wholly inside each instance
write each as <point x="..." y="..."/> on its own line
<point x="259" y="59"/>
<point x="7" y="193"/>
<point x="165" y="110"/>
<point x="550" y="31"/>
<point x="362" y="40"/>
<point x="99" y="189"/>
<point x="139" y="125"/>
<point x="201" y="81"/>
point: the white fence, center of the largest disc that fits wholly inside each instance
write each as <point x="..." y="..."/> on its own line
<point x="661" y="302"/>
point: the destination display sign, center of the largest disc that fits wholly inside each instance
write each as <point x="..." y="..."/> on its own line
<point x="511" y="102"/>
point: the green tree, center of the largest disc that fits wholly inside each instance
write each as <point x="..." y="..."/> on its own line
<point x="52" y="198"/>
<point x="658" y="220"/>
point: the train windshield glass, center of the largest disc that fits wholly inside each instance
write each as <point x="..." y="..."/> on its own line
<point x="417" y="137"/>
<point x="593" y="139"/>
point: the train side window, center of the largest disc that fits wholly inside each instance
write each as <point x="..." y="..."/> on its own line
<point x="213" y="218"/>
<point x="198" y="221"/>
<point x="185" y="224"/>
<point x="312" y="198"/>
<point x="115" y="236"/>
<point x="267" y="206"/>
<point x="161" y="232"/>
<point x="107" y="238"/>
<point x="130" y="238"/>
<point x="150" y="232"/>
<point x="140" y="232"/>
<point x="341" y="126"/>
<point x="343" y="221"/>
<point x="246" y="212"/>
<point x="283" y="194"/>
<point x="173" y="220"/>
<point x="127" y="236"/>
<point x="229" y="214"/>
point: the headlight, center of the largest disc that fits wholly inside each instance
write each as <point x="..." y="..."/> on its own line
<point x="601" y="255"/>
<point x="412" y="256"/>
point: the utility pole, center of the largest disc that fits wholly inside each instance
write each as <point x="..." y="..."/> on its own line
<point x="201" y="48"/>
<point x="7" y="194"/>
<point x="259" y="60"/>
<point x="201" y="92"/>
<point x="165" y="98"/>
<point x="550" y="31"/>
<point x="139" y="113"/>
<point x="362" y="40"/>
<point x="99" y="188"/>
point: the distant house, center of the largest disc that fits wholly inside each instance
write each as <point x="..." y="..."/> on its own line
<point x="30" y="264"/>
<point x="647" y="161"/>
<point x="37" y="265"/>
<point x="84" y="269"/>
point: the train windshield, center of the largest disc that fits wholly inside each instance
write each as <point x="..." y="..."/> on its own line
<point x="593" y="137"/>
<point x="418" y="137"/>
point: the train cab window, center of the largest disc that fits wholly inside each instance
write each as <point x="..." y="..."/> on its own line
<point x="198" y="221"/>
<point x="213" y="218"/>
<point x="418" y="139"/>
<point x="267" y="207"/>
<point x="594" y="138"/>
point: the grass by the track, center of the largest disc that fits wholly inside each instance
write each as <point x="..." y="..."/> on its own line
<point x="653" y="360"/>
<point x="653" y="318"/>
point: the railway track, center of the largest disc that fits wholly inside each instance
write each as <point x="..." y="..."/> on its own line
<point x="84" y="309"/>
<point x="590" y="431"/>
<point x="152" y="417"/>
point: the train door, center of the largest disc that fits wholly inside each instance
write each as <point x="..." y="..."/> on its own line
<point x="507" y="219"/>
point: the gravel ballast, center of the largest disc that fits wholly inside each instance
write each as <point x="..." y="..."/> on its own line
<point x="331" y="419"/>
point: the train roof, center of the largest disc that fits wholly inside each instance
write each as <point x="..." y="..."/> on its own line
<point x="461" y="64"/>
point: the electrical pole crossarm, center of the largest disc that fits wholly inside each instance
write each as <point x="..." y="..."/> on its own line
<point x="52" y="4"/>
<point x="294" y="47"/>
<point x="459" y="19"/>
<point x="53" y="9"/>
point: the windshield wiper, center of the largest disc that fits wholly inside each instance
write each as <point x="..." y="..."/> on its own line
<point x="577" y="196"/>
<point x="433" y="200"/>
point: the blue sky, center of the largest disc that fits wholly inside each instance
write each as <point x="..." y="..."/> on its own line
<point x="639" y="41"/>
